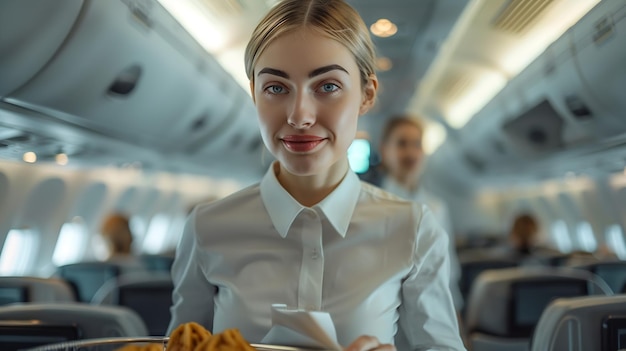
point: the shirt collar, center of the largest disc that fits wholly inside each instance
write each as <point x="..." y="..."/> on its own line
<point x="337" y="207"/>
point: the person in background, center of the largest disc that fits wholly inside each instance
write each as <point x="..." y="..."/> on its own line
<point x="402" y="159"/>
<point x="115" y="231"/>
<point x="523" y="235"/>
<point x="310" y="235"/>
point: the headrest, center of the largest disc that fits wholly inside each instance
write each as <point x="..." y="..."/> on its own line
<point x="93" y="321"/>
<point x="108" y="294"/>
<point x="583" y="323"/>
<point x="613" y="272"/>
<point x="32" y="289"/>
<point x="509" y="302"/>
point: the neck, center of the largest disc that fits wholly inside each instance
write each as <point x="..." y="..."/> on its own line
<point x="407" y="181"/>
<point x="312" y="189"/>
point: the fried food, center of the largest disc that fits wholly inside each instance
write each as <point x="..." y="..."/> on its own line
<point x="193" y="337"/>
<point x="187" y="336"/>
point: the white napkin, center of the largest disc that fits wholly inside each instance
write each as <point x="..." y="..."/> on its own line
<point x="302" y="328"/>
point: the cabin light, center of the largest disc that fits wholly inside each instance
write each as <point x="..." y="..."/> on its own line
<point x="198" y="22"/>
<point x="61" y="159"/>
<point x="434" y="135"/>
<point x="474" y="99"/>
<point x="384" y="64"/>
<point x="359" y="155"/>
<point x="30" y="157"/>
<point x="383" y="28"/>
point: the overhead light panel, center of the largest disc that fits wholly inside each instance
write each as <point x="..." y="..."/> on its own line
<point x="383" y="28"/>
<point x="29" y="157"/>
<point x="384" y="64"/>
<point x="61" y="159"/>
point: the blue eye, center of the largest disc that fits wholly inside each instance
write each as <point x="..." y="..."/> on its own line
<point x="275" y="89"/>
<point x="329" y="87"/>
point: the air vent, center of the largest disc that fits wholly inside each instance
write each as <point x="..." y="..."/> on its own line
<point x="199" y="123"/>
<point x="578" y="108"/>
<point x="126" y="81"/>
<point x="454" y="85"/>
<point x="538" y="130"/>
<point x="518" y="15"/>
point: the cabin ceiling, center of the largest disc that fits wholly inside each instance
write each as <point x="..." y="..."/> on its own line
<point x="422" y="27"/>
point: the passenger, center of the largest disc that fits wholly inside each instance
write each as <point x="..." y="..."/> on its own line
<point x="402" y="159"/>
<point x="310" y="234"/>
<point x="523" y="235"/>
<point x="116" y="232"/>
<point x="117" y="235"/>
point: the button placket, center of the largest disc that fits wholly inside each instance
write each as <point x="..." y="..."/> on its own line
<point x="310" y="289"/>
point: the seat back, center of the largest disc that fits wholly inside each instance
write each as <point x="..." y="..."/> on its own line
<point x="470" y="269"/>
<point x="579" y="324"/>
<point x="505" y="305"/>
<point x="612" y="272"/>
<point x="92" y="321"/>
<point x="150" y="296"/>
<point x="33" y="289"/>
<point x="88" y="277"/>
<point x="157" y="263"/>
<point x="20" y="335"/>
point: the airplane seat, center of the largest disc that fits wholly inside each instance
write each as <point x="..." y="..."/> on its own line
<point x="612" y="272"/>
<point x="582" y="323"/>
<point x="149" y="295"/>
<point x="475" y="262"/>
<point x="90" y="320"/>
<point x="157" y="263"/>
<point x="504" y="305"/>
<point x="33" y="289"/>
<point x="88" y="277"/>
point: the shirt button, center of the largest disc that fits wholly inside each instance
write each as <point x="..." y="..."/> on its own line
<point x="314" y="254"/>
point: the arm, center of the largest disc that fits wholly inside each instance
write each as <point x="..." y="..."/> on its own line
<point x="192" y="299"/>
<point x="427" y="314"/>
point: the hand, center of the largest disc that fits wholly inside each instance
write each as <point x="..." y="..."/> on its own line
<point x="369" y="343"/>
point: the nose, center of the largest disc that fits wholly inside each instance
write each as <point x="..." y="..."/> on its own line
<point x="302" y="114"/>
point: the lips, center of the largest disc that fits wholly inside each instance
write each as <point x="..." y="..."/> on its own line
<point x="302" y="143"/>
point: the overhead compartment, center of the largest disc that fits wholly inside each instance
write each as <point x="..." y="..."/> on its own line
<point x="571" y="96"/>
<point x="31" y="33"/>
<point x="129" y="71"/>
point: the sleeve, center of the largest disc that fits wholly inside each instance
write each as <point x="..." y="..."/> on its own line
<point x="427" y="315"/>
<point x="192" y="298"/>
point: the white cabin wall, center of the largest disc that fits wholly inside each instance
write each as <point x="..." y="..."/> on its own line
<point x="154" y="193"/>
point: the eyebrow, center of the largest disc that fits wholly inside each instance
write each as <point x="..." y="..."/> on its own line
<point x="315" y="72"/>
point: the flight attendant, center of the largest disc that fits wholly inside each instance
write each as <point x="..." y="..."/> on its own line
<point x="402" y="160"/>
<point x="310" y="234"/>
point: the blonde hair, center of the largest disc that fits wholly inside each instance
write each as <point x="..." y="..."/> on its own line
<point x="333" y="18"/>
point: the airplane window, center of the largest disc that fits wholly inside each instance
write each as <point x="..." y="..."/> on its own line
<point x="560" y="236"/>
<point x="18" y="250"/>
<point x="586" y="239"/>
<point x="156" y="236"/>
<point x="615" y="240"/>
<point x="71" y="243"/>
<point x="359" y="155"/>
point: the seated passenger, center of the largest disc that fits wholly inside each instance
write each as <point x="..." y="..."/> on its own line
<point x="116" y="232"/>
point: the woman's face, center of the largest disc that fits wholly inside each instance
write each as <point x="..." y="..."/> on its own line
<point x="402" y="153"/>
<point x="308" y="93"/>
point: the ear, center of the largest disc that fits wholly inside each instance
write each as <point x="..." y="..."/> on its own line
<point x="369" y="94"/>
<point x="252" y="91"/>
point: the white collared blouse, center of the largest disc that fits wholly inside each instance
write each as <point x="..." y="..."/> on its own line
<point x="376" y="263"/>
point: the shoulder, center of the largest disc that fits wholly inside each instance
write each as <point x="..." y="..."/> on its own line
<point x="393" y="208"/>
<point x="229" y="211"/>
<point x="229" y="203"/>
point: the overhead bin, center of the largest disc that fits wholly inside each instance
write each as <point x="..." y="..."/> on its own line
<point x="32" y="32"/>
<point x="129" y="71"/>
<point x="571" y="96"/>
